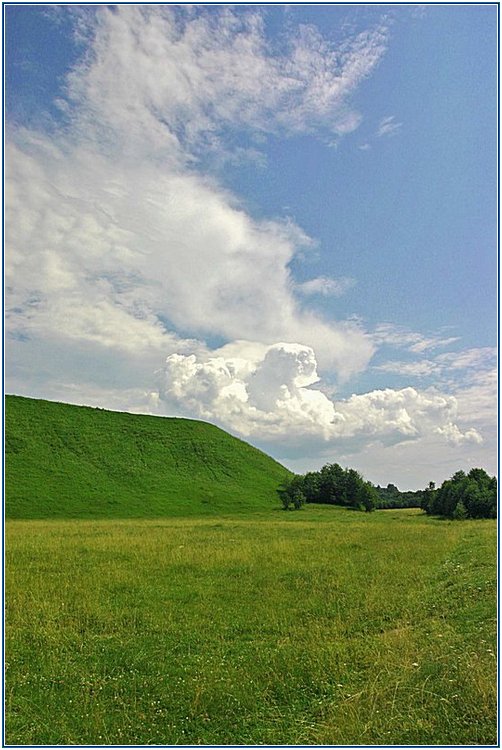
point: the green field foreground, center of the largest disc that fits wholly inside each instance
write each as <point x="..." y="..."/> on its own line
<point x="324" y="626"/>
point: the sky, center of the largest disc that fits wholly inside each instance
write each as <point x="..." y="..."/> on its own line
<point x="279" y="219"/>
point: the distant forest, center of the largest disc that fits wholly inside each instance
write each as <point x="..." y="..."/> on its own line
<point x="472" y="495"/>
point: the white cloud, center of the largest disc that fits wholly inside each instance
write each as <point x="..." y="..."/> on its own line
<point x="388" y="126"/>
<point x="421" y="369"/>
<point x="270" y="398"/>
<point x="115" y="240"/>
<point x="407" y="413"/>
<point x="174" y="76"/>
<point x="426" y="344"/>
<point x="469" y="374"/>
<point x="477" y="395"/>
<point x="390" y="334"/>
<point x="476" y="358"/>
<point x="454" y="436"/>
<point x="471" y="377"/>
<point x="261" y="398"/>
<point x="326" y="286"/>
<point x="125" y="255"/>
<point x="450" y="368"/>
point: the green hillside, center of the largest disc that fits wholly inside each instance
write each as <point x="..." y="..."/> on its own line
<point x="64" y="461"/>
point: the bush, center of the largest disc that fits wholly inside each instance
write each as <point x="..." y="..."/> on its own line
<point x="291" y="493"/>
<point x="460" y="512"/>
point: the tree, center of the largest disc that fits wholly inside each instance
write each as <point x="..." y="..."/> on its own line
<point x="460" y="512"/>
<point x="472" y="495"/>
<point x="480" y="494"/>
<point x="291" y="493"/>
<point x="332" y="485"/>
<point x="428" y="497"/>
<point x="368" y="496"/>
<point x="353" y="488"/>
<point x="311" y="486"/>
<point x="446" y="498"/>
<point x="392" y="497"/>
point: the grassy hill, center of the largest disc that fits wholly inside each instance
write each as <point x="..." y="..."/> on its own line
<point x="64" y="461"/>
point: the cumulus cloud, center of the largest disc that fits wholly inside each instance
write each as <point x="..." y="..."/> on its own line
<point x="270" y="397"/>
<point x="455" y="437"/>
<point x="263" y="398"/>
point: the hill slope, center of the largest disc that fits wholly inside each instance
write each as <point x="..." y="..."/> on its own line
<point x="66" y="461"/>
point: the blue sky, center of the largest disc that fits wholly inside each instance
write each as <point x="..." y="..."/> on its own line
<point x="281" y="219"/>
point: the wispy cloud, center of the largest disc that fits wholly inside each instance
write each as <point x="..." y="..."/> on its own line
<point x="401" y="337"/>
<point x="170" y="77"/>
<point x="472" y="361"/>
<point x="420" y="369"/>
<point x="326" y="286"/>
<point x="388" y="126"/>
<point x="479" y="358"/>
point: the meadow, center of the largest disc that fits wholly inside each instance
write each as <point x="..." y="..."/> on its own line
<point x="322" y="626"/>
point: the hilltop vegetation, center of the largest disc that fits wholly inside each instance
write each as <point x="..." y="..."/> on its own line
<point x="65" y="461"/>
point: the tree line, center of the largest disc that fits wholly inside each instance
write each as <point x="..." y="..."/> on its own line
<point x="472" y="495"/>
<point x="332" y="485"/>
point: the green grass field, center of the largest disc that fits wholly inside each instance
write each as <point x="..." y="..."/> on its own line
<point x="323" y="626"/>
<point x="65" y="461"/>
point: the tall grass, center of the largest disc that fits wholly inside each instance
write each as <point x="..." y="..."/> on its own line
<point x="319" y="627"/>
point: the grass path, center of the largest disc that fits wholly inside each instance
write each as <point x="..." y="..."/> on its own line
<point x="319" y="627"/>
